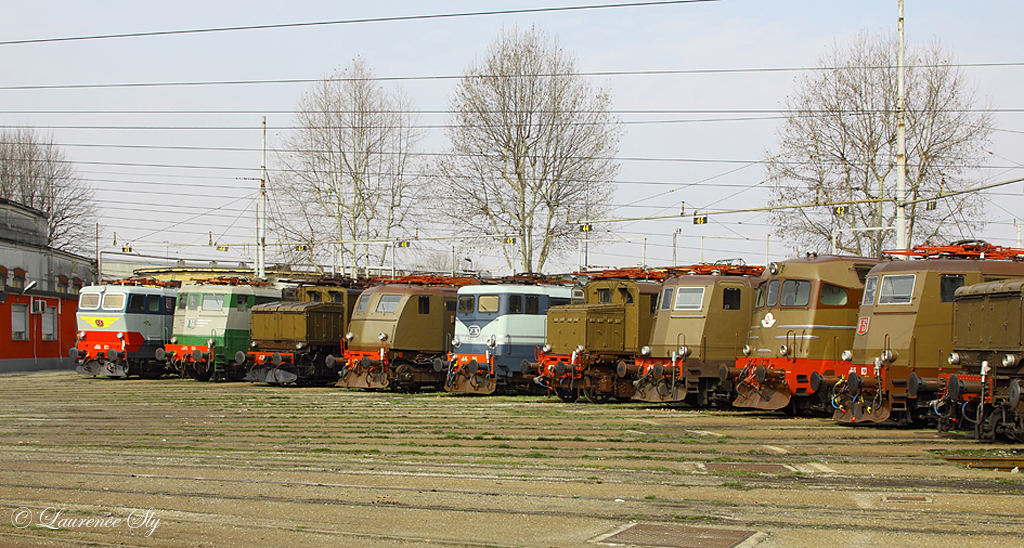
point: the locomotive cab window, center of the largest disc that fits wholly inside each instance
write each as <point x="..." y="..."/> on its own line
<point x="113" y="301"/>
<point x="689" y="298"/>
<point x="515" y="304"/>
<point x="153" y="303"/>
<point x="896" y="289"/>
<point x="731" y="298"/>
<point x="795" y="293"/>
<point x="388" y="303"/>
<point x="832" y="295"/>
<point x="315" y="297"/>
<point x="337" y="297"/>
<point x="89" y="301"/>
<point x="532" y="304"/>
<point x="604" y="295"/>
<point x="666" y="298"/>
<point x="424" y="304"/>
<point x="449" y="305"/>
<point x="193" y="301"/>
<point x="136" y="303"/>
<point x="487" y="304"/>
<point x="627" y="297"/>
<point x="869" y="291"/>
<point x="467" y="303"/>
<point x="948" y="285"/>
<point x="760" y="298"/>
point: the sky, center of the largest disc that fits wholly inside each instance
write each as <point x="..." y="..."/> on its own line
<point x="166" y="128"/>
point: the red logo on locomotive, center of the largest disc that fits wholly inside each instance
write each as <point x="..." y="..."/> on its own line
<point x="862" y="325"/>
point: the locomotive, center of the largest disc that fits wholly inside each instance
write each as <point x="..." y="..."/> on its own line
<point x="498" y="326"/>
<point x="400" y="332"/>
<point x="701" y="324"/>
<point x="587" y="342"/>
<point x="988" y="346"/>
<point x="899" y="358"/>
<point x="805" y="315"/>
<point x="211" y="324"/>
<point x="293" y="341"/>
<point x="121" y="324"/>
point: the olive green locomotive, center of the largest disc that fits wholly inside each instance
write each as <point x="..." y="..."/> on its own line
<point x="701" y="325"/>
<point x="898" y="360"/>
<point x="586" y="343"/>
<point x="400" y="334"/>
<point x="295" y="341"/>
<point x="988" y="343"/>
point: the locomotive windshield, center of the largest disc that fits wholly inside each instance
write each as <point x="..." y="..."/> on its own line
<point x="361" y="304"/>
<point x="487" y="304"/>
<point x="89" y="301"/>
<point x="388" y="303"/>
<point x="897" y="289"/>
<point x="689" y="298"/>
<point x="213" y="302"/>
<point x="466" y="304"/>
<point x="113" y="301"/>
<point x="832" y="295"/>
<point x="796" y="293"/>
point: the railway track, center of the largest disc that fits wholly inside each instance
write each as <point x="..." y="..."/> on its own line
<point x="234" y="464"/>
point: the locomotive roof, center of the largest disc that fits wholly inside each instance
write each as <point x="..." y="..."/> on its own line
<point x="538" y="289"/>
<point x="412" y="289"/>
<point x="297" y="307"/>
<point x="711" y="279"/>
<point x="993" y="267"/>
<point x="845" y="270"/>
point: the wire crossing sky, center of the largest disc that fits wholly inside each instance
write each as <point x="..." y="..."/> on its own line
<point x="159" y="106"/>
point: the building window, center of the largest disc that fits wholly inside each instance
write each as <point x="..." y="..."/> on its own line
<point x="49" y="321"/>
<point x="19" y="322"/>
<point x="18" y="282"/>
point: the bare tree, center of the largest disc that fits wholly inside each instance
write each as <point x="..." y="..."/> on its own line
<point x="838" y="143"/>
<point x="531" y="143"/>
<point x="36" y="173"/>
<point x="346" y="170"/>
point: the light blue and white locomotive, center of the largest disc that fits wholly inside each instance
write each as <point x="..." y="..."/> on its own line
<point x="498" y="329"/>
<point x="121" y="325"/>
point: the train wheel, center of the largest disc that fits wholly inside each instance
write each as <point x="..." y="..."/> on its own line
<point x="592" y="395"/>
<point x="568" y="396"/>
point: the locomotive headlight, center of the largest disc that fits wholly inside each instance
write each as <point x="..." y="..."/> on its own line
<point x="349" y="336"/>
<point x="847" y="355"/>
<point x="492" y="342"/>
<point x="253" y="344"/>
<point x="120" y="335"/>
<point x="382" y="336"/>
<point x="774" y="269"/>
<point x="81" y="335"/>
<point x="174" y="340"/>
<point x="1010" y="360"/>
<point x="746" y="350"/>
<point x="456" y="342"/>
<point x="889" y="356"/>
<point x="784" y="350"/>
<point x="954" y="358"/>
<point x="645" y="351"/>
<point x="579" y="348"/>
<point x="300" y="346"/>
<point x="684" y="351"/>
<point x="209" y="343"/>
<point x="546" y="348"/>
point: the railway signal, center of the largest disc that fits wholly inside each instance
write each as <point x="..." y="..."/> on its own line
<point x="700" y="219"/>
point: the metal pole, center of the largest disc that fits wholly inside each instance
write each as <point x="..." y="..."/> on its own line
<point x="901" y="143"/>
<point x="674" y="234"/>
<point x="261" y="244"/>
